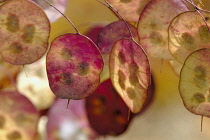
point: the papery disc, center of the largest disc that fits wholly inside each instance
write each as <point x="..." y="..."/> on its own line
<point x="130" y="73"/>
<point x="18" y="117"/>
<point x="107" y="112"/>
<point x="153" y="26"/>
<point x="108" y="36"/>
<point x="24" y="32"/>
<point x="194" y="82"/>
<point x="188" y="33"/>
<point x="74" y="65"/>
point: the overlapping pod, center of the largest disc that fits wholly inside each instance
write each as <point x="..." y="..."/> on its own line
<point x="107" y="112"/>
<point x="112" y="33"/>
<point x="108" y="36"/>
<point x="130" y="73"/>
<point x="36" y="87"/>
<point x="153" y="26"/>
<point x="71" y="123"/>
<point x="74" y="65"/>
<point x="24" y="32"/>
<point x="188" y="33"/>
<point x="194" y="82"/>
<point x="18" y="117"/>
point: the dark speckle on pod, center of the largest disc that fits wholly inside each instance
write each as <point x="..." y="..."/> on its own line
<point x="83" y="68"/>
<point x="12" y="23"/>
<point x="66" y="78"/>
<point x="28" y="33"/>
<point x="16" y="48"/>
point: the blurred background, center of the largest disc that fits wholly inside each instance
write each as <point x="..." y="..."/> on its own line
<point x="165" y="117"/>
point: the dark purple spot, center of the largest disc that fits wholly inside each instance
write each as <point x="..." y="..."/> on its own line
<point x="121" y="57"/>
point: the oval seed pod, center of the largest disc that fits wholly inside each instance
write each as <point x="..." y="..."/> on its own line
<point x="130" y="73"/>
<point x="108" y="36"/>
<point x="188" y="33"/>
<point x="153" y="26"/>
<point x="106" y="111"/>
<point x="36" y="86"/>
<point x="24" y="32"/>
<point x="68" y="124"/>
<point x="194" y="82"/>
<point x="73" y="65"/>
<point x="18" y="117"/>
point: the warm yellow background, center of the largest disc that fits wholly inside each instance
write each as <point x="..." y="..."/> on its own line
<point x="166" y="118"/>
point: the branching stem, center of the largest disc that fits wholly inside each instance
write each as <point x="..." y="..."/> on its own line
<point x="117" y="13"/>
<point x="198" y="10"/>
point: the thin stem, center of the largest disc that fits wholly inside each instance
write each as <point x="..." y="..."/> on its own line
<point x="102" y="3"/>
<point x="191" y="2"/>
<point x="25" y="70"/>
<point x="117" y="13"/>
<point x="63" y="15"/>
<point x="198" y="10"/>
<point x="201" y="123"/>
<point x="203" y="19"/>
<point x="195" y="6"/>
<point x="68" y="104"/>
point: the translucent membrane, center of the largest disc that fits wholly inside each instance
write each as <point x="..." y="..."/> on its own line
<point x="18" y="117"/>
<point x="153" y="26"/>
<point x="187" y="33"/>
<point x="130" y="73"/>
<point x="194" y="82"/>
<point x="108" y="36"/>
<point x="24" y="31"/>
